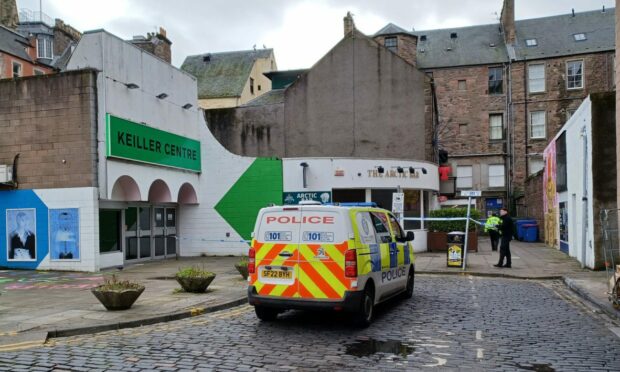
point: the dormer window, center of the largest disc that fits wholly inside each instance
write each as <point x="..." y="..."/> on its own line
<point x="423" y="38"/>
<point x="531" y="42"/>
<point x="580" y="37"/>
<point x="44" y="48"/>
<point x="453" y="35"/>
<point x="391" y="43"/>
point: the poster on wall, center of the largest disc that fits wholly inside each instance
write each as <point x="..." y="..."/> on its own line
<point x="21" y="227"/>
<point x="64" y="234"/>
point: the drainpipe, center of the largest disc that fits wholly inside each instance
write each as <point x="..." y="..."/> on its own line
<point x="584" y="199"/>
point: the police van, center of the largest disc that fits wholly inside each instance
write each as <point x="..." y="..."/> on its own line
<point x="337" y="257"/>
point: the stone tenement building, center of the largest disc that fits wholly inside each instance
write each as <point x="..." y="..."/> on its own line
<point x="503" y="90"/>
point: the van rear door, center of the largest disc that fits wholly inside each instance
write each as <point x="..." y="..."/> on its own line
<point x="323" y="242"/>
<point x="276" y="244"/>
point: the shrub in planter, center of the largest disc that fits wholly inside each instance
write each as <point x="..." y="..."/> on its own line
<point x="242" y="267"/>
<point x="438" y="230"/>
<point x="449" y="226"/>
<point x="115" y="294"/>
<point x="194" y="279"/>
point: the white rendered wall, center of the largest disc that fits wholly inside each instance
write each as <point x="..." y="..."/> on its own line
<point x="202" y="229"/>
<point x="575" y="176"/>
<point x="122" y="63"/>
<point x="321" y="174"/>
<point x="85" y="199"/>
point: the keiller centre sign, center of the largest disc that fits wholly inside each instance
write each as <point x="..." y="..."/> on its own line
<point x="137" y="142"/>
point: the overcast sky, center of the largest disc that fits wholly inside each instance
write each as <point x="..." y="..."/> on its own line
<point x="300" y="31"/>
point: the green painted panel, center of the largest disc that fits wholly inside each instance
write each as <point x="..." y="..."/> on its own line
<point x="260" y="185"/>
<point x="137" y="142"/>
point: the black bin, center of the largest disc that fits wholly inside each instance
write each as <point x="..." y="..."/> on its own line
<point x="456" y="242"/>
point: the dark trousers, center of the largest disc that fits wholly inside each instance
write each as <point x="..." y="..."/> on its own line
<point x="504" y="251"/>
<point x="494" y="239"/>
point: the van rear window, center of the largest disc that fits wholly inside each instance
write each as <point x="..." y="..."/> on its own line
<point x="291" y="226"/>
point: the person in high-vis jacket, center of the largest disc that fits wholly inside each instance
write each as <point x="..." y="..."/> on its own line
<point x="492" y="227"/>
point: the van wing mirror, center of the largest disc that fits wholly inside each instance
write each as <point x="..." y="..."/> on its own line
<point x="410" y="236"/>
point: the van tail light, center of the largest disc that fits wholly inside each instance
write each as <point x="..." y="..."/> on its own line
<point x="252" y="261"/>
<point x="350" y="264"/>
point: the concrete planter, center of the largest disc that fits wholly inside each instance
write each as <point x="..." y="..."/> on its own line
<point x="117" y="299"/>
<point x="437" y="241"/>
<point x="194" y="284"/>
<point x="243" y="270"/>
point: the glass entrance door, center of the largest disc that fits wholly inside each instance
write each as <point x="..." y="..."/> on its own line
<point x="159" y="238"/>
<point x="171" y="232"/>
<point x="144" y="232"/>
<point x="131" y="233"/>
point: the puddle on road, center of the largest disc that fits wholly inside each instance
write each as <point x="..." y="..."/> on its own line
<point x="367" y="347"/>
<point x="536" y="367"/>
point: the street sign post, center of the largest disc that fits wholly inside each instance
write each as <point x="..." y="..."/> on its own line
<point x="469" y="194"/>
<point x="398" y="205"/>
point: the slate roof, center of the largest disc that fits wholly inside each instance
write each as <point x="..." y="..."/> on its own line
<point x="272" y="97"/>
<point x="484" y="44"/>
<point x="555" y="34"/>
<point x="473" y="45"/>
<point x="13" y="43"/>
<point x="223" y="74"/>
<point x="391" y="29"/>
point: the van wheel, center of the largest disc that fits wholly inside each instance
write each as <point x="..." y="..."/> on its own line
<point x="410" y="282"/>
<point x="266" y="314"/>
<point x="366" y="312"/>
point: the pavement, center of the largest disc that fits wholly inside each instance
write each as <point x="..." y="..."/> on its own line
<point x="36" y="305"/>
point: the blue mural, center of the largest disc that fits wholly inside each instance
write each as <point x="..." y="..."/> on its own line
<point x="65" y="234"/>
<point x="23" y="229"/>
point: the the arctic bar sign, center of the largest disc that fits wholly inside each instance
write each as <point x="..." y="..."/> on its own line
<point x="137" y="142"/>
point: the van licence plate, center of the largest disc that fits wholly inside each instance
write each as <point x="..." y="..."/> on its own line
<point x="277" y="274"/>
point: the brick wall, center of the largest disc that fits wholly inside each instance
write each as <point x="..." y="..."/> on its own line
<point x="556" y="102"/>
<point x="531" y="205"/>
<point x="464" y="110"/>
<point x="407" y="46"/>
<point x="50" y="121"/>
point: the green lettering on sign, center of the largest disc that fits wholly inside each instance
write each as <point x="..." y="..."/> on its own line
<point x="137" y="142"/>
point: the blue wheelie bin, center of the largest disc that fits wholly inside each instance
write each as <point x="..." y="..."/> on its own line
<point x="520" y="228"/>
<point x="530" y="232"/>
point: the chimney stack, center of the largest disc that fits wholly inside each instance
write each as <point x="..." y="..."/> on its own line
<point x="507" y="20"/>
<point x="157" y="44"/>
<point x="349" y="25"/>
<point x="8" y="14"/>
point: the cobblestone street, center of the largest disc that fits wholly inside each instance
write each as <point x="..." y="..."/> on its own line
<point x="453" y="322"/>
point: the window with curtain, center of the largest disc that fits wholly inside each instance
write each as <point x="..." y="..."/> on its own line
<point x="496" y="126"/>
<point x="464" y="177"/>
<point x="536" y="78"/>
<point x="537" y="124"/>
<point x="496" y="175"/>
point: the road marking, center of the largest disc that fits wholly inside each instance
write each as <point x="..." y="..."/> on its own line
<point x="480" y="353"/>
<point x="615" y="330"/>
<point x="478" y="335"/>
<point x="440" y="362"/>
<point x="20" y="345"/>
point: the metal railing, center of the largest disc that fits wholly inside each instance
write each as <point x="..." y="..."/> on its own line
<point x="27" y="15"/>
